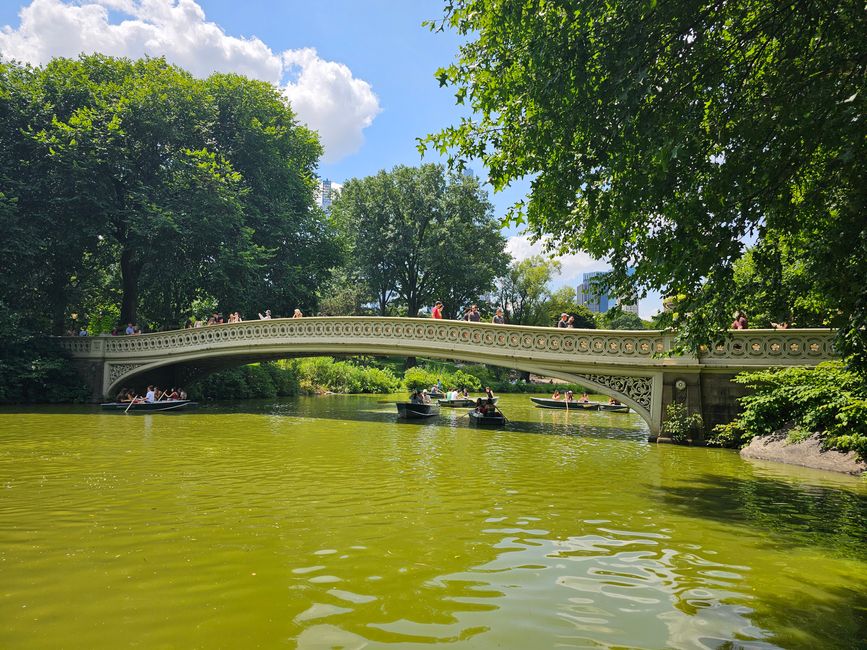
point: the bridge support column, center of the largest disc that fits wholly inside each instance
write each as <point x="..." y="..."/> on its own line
<point x="710" y="394"/>
<point x="682" y="387"/>
<point x="92" y="373"/>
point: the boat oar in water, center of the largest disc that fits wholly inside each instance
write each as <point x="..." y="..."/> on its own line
<point x="131" y="402"/>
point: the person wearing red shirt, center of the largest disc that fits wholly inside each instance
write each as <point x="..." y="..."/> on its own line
<point x="437" y="311"/>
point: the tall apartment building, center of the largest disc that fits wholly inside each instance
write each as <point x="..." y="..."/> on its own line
<point x="597" y="299"/>
<point x="325" y="195"/>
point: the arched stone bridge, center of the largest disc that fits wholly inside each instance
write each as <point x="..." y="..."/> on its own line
<point x="632" y="366"/>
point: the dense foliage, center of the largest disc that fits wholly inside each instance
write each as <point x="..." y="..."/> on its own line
<point x="660" y="136"/>
<point x="828" y="400"/>
<point x="246" y="382"/>
<point x="418" y="234"/>
<point x="420" y="378"/>
<point x="321" y="374"/>
<point x="130" y="190"/>
<point x="32" y="368"/>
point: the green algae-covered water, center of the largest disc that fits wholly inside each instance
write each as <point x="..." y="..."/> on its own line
<point x="327" y="523"/>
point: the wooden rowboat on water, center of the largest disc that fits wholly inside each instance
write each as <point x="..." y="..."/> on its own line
<point x="148" y="407"/>
<point x="547" y="403"/>
<point x="488" y="419"/>
<point x="462" y="402"/>
<point x="614" y="408"/>
<point x="413" y="411"/>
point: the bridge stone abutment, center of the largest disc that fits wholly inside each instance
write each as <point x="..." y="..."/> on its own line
<point x="636" y="367"/>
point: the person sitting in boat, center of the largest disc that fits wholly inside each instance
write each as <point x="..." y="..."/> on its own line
<point x="489" y="393"/>
<point x="570" y="397"/>
<point x="584" y="398"/>
<point x="415" y="398"/>
<point x="481" y="406"/>
<point x="556" y="395"/>
<point x="613" y="402"/>
<point x="465" y="393"/>
<point x="425" y="398"/>
<point x="150" y="396"/>
<point x="182" y="394"/>
<point x="173" y="394"/>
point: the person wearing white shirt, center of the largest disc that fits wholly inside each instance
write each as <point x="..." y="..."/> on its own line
<point x="150" y="396"/>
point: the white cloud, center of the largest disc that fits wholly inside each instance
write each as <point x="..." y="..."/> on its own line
<point x="572" y="265"/>
<point x="335" y="103"/>
<point x="324" y="94"/>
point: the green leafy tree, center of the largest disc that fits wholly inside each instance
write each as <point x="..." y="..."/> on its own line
<point x="294" y="244"/>
<point x="773" y="285"/>
<point x="565" y="301"/>
<point x="418" y="234"/>
<point x="617" y="319"/>
<point x="132" y="182"/>
<point x="660" y="136"/>
<point x="523" y="290"/>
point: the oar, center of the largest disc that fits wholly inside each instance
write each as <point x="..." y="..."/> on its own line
<point x="130" y="404"/>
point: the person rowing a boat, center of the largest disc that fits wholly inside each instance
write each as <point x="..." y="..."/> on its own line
<point x="556" y="394"/>
<point x="570" y="396"/>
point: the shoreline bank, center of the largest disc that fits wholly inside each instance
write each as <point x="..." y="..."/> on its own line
<point x="805" y="453"/>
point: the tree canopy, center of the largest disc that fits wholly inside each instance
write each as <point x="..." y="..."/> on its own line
<point x="661" y="137"/>
<point x="419" y="234"/>
<point x="131" y="189"/>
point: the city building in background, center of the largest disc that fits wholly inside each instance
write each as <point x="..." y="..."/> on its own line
<point x="324" y="198"/>
<point x="593" y="297"/>
<point x="597" y="299"/>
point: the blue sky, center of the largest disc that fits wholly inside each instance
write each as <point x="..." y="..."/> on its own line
<point x="361" y="73"/>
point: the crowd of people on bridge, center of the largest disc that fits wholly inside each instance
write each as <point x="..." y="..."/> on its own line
<point x="471" y="315"/>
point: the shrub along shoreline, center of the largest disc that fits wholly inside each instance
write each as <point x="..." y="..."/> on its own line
<point x="828" y="402"/>
<point x="315" y="375"/>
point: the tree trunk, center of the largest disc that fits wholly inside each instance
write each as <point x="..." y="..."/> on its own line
<point x="130" y="270"/>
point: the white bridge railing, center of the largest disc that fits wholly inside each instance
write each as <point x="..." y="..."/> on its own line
<point x="640" y="348"/>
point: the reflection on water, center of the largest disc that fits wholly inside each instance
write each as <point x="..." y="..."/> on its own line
<point x="325" y="522"/>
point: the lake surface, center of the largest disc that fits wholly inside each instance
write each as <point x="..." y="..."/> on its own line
<point x="325" y="522"/>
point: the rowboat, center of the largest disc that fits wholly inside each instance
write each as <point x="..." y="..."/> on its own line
<point x="547" y="403"/>
<point x="149" y="407"/>
<point x="463" y="402"/>
<point x="484" y="419"/>
<point x="614" y="408"/>
<point x="413" y="411"/>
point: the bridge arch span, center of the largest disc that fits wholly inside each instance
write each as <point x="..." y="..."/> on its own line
<point x="636" y="367"/>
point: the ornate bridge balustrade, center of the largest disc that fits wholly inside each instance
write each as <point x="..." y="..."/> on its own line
<point x="633" y="366"/>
